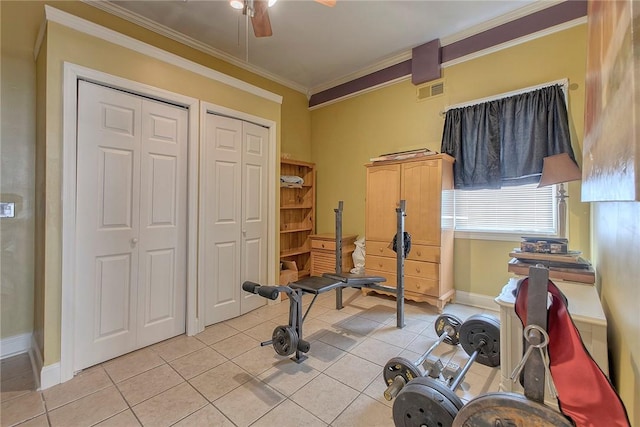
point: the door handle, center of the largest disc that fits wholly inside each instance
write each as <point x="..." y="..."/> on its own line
<point x="134" y="240"/>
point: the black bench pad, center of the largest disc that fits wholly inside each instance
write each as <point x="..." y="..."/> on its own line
<point x="329" y="281"/>
<point x="316" y="284"/>
<point x="350" y="279"/>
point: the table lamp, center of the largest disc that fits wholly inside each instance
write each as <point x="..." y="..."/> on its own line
<point x="558" y="169"/>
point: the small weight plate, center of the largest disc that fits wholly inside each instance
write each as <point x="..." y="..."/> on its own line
<point x="448" y="320"/>
<point x="285" y="340"/>
<point x="399" y="366"/>
<point x="420" y="405"/>
<point x="508" y="409"/>
<point x="478" y="329"/>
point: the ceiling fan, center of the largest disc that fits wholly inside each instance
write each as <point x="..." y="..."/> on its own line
<point x="257" y="11"/>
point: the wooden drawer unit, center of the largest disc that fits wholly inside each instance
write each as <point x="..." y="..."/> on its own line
<point x="417" y="253"/>
<point x="428" y="269"/>
<point x="415" y="288"/>
<point x="323" y="255"/>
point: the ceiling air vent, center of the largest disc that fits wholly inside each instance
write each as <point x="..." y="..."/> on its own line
<point x="430" y="90"/>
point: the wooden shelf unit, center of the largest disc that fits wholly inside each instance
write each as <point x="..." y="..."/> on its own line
<point x="297" y="214"/>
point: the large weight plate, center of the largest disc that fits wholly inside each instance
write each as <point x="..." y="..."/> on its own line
<point x="508" y="409"/>
<point x="285" y="340"/>
<point x="482" y="328"/>
<point x="399" y="366"/>
<point x="445" y="320"/>
<point x="419" y="404"/>
<point x="441" y="388"/>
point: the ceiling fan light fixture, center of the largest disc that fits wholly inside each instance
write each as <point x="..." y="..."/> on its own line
<point x="236" y="4"/>
<point x="271" y="3"/>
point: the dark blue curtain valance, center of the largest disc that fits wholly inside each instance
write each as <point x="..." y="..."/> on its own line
<point x="502" y="142"/>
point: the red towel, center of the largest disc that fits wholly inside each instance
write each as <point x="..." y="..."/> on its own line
<point x="584" y="391"/>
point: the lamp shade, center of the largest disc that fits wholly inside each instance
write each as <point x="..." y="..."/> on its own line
<point x="559" y="168"/>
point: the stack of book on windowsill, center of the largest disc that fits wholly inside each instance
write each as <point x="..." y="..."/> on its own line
<point x="403" y="155"/>
<point x="564" y="266"/>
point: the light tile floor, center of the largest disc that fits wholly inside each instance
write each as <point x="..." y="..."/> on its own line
<point x="222" y="377"/>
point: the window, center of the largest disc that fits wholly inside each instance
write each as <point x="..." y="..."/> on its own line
<point x="503" y="214"/>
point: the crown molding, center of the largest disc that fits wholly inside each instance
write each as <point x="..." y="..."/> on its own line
<point x="500" y="20"/>
<point x="517" y="41"/>
<point x="141" y="21"/>
<point x="385" y="63"/>
<point x="78" y="24"/>
<point x="380" y="65"/>
<point x="461" y="35"/>
<point x="360" y="92"/>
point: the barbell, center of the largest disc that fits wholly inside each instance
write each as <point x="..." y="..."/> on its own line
<point x="398" y="370"/>
<point x="426" y="401"/>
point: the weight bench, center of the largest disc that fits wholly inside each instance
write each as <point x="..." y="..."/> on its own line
<point x="287" y="340"/>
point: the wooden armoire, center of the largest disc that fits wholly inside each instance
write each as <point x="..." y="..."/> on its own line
<point x="426" y="183"/>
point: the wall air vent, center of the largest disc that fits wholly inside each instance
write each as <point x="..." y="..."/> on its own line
<point x="430" y="90"/>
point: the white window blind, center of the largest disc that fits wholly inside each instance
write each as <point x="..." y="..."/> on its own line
<point x="523" y="209"/>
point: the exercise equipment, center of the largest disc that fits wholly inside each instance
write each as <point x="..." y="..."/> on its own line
<point x="508" y="409"/>
<point x="586" y="398"/>
<point x="425" y="401"/>
<point x="398" y="371"/>
<point x="401" y="247"/>
<point x="286" y="339"/>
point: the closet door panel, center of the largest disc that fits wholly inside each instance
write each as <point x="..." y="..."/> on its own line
<point x="222" y="156"/>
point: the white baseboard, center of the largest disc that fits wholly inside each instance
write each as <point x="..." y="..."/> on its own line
<point x="49" y="376"/>
<point x="17" y="344"/>
<point x="46" y="376"/>
<point x="477" y="300"/>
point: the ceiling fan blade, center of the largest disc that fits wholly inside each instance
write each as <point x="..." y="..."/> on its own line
<point x="329" y="3"/>
<point x="260" y="20"/>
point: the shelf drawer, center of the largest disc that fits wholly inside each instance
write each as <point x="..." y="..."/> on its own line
<point x="428" y="270"/>
<point x="326" y="263"/>
<point x="329" y="245"/>
<point x="424" y="253"/>
<point x="379" y="249"/>
<point x="418" y="285"/>
<point x="417" y="253"/>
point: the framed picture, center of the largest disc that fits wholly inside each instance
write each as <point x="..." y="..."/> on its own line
<point x="611" y="156"/>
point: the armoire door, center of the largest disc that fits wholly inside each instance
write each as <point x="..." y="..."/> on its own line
<point x="383" y="197"/>
<point x="422" y="189"/>
<point x="131" y="223"/>
<point x="235" y="215"/>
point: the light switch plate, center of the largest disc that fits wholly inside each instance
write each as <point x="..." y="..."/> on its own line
<point x="7" y="209"/>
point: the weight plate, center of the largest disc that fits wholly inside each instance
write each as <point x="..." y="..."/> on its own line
<point x="441" y="388"/>
<point x="482" y="331"/>
<point x="445" y="320"/>
<point x="420" y="405"/>
<point x="508" y="409"/>
<point x="399" y="366"/>
<point x="285" y="340"/>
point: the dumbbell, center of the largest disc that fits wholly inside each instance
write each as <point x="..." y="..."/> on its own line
<point x="425" y="401"/>
<point x="398" y="371"/>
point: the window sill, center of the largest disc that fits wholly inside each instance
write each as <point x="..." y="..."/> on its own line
<point x="505" y="237"/>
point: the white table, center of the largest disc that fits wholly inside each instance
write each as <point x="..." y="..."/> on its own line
<point x="585" y="310"/>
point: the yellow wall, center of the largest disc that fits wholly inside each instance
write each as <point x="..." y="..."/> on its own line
<point x="17" y="181"/>
<point x="20" y="24"/>
<point x="346" y="134"/>
<point x="616" y="235"/>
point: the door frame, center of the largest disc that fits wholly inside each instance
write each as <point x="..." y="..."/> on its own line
<point x="71" y="74"/>
<point x="272" y="205"/>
